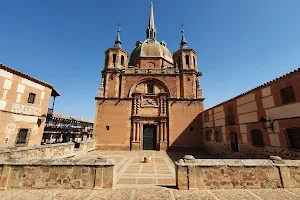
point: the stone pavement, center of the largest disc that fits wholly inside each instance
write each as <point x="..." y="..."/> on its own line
<point x="151" y="194"/>
<point x="131" y="172"/>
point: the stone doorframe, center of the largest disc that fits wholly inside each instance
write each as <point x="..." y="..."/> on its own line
<point x="162" y="133"/>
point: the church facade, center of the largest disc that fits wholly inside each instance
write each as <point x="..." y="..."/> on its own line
<point x="151" y="99"/>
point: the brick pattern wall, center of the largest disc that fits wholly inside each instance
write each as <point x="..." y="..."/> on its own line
<point x="15" y="111"/>
<point x="248" y="109"/>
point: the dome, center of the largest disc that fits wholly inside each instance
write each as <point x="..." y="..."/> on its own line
<point x="151" y="48"/>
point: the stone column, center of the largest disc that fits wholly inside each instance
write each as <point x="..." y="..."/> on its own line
<point x="165" y="132"/>
<point x="163" y="136"/>
<point x="133" y="132"/>
<point x="135" y="144"/>
<point x="51" y="136"/>
<point x="138" y="132"/>
<point x="161" y="132"/>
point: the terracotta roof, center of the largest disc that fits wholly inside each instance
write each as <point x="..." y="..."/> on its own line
<point x="258" y="87"/>
<point x="18" y="73"/>
<point x="57" y="115"/>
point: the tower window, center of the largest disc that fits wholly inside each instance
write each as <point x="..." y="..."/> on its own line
<point x="107" y="128"/>
<point x="114" y="58"/>
<point x="188" y="79"/>
<point x="122" y="60"/>
<point x="178" y="61"/>
<point x="194" y="61"/>
<point x="187" y="59"/>
<point x="150" y="89"/>
<point x="287" y="95"/>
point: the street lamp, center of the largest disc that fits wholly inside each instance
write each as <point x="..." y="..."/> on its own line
<point x="264" y="126"/>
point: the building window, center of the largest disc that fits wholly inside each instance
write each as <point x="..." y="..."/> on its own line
<point x="178" y="61"/>
<point x="218" y="136"/>
<point x="187" y="59"/>
<point x="287" y="95"/>
<point x="206" y="117"/>
<point x="107" y="128"/>
<point x="293" y="138"/>
<point x="208" y="136"/>
<point x="150" y="89"/>
<point x="230" y="118"/>
<point x="188" y="79"/>
<point x="31" y="98"/>
<point x="257" y="138"/>
<point x="22" y="136"/>
<point x="114" y="58"/>
<point x="122" y="60"/>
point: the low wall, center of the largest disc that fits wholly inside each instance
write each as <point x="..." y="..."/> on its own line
<point x="41" y="151"/>
<point x="236" y="174"/>
<point x="58" y="174"/>
<point x="223" y="150"/>
<point x="87" y="145"/>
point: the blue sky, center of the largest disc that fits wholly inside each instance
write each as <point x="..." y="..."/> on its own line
<point x="240" y="44"/>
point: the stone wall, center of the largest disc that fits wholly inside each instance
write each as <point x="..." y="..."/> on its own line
<point x="63" y="174"/>
<point x="237" y="174"/>
<point x="41" y="151"/>
<point x="223" y="150"/>
<point x="87" y="145"/>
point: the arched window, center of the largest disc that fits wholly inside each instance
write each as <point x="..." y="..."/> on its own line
<point x="194" y="61"/>
<point x="114" y="58"/>
<point x="122" y="60"/>
<point x="178" y="61"/>
<point x="187" y="59"/>
<point x="257" y="138"/>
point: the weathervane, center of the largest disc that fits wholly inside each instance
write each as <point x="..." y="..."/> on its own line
<point x="182" y="26"/>
<point x="119" y="27"/>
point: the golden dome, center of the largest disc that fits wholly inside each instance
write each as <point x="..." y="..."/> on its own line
<point x="151" y="48"/>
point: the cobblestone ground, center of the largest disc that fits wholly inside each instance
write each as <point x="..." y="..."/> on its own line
<point x="151" y="194"/>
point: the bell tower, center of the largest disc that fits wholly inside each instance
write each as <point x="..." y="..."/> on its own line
<point x="116" y="59"/>
<point x="186" y="61"/>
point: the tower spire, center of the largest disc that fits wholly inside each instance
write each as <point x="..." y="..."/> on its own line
<point x="151" y="30"/>
<point x="118" y="39"/>
<point x="183" y="43"/>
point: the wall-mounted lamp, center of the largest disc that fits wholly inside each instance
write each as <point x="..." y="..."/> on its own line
<point x="264" y="126"/>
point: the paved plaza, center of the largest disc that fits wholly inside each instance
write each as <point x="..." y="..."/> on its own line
<point x="151" y="194"/>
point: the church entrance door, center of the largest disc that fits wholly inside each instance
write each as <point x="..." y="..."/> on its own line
<point x="149" y="137"/>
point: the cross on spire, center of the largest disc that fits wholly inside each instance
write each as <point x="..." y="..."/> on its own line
<point x="151" y="30"/>
<point x="118" y="39"/>
<point x="183" y="43"/>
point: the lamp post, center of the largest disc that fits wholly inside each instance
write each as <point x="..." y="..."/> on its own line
<point x="264" y="126"/>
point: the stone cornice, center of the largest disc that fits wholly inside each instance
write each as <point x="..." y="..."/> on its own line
<point x="114" y="98"/>
<point x="185" y="99"/>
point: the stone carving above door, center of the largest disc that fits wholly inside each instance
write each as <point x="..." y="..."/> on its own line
<point x="149" y="101"/>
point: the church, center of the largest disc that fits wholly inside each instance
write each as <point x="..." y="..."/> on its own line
<point x="150" y="99"/>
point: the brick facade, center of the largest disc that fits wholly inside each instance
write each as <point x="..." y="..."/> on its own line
<point x="16" y="112"/>
<point x="148" y="100"/>
<point x="248" y="109"/>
